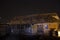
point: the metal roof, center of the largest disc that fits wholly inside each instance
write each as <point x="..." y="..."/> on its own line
<point x="34" y="18"/>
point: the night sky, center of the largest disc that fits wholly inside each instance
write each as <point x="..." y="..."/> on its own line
<point x="17" y="7"/>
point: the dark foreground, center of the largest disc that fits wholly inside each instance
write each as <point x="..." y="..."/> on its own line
<point x="24" y="37"/>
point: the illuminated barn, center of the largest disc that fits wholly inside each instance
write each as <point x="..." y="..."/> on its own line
<point x="47" y="21"/>
<point x="34" y="24"/>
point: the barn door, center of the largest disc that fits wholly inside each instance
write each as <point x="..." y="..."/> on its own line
<point x="40" y="29"/>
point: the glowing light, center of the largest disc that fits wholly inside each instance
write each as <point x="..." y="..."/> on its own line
<point x="58" y="33"/>
<point x="46" y="26"/>
<point x="56" y="17"/>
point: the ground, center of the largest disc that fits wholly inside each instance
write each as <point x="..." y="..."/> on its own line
<point x="21" y="37"/>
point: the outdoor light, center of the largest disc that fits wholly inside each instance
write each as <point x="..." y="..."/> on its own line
<point x="58" y="33"/>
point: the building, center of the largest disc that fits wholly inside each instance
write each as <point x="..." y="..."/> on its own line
<point x="39" y="23"/>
